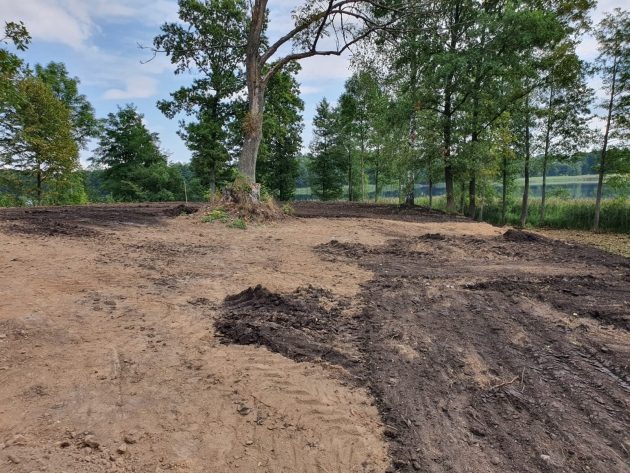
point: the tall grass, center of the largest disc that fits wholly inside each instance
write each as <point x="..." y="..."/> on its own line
<point x="569" y="214"/>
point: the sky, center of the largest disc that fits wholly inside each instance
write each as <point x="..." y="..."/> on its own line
<point x="98" y="41"/>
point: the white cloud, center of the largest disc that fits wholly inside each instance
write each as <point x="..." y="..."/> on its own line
<point x="137" y="87"/>
<point x="309" y="89"/>
<point x="49" y="21"/>
<point x="74" y="22"/>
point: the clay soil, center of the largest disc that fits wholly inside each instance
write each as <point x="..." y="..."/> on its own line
<point x="351" y="338"/>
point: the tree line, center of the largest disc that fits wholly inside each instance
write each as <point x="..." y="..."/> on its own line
<point x="469" y="94"/>
<point x="45" y="122"/>
<point x="454" y="91"/>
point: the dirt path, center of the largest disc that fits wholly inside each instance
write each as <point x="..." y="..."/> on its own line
<point x="110" y="360"/>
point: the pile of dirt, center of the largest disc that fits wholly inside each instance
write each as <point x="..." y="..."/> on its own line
<point x="87" y="221"/>
<point x="305" y="325"/>
<point x="181" y="209"/>
<point x="520" y="236"/>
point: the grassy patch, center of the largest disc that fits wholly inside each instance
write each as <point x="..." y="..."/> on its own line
<point x="220" y="215"/>
<point x="571" y="214"/>
<point x="216" y="214"/>
<point x="237" y="223"/>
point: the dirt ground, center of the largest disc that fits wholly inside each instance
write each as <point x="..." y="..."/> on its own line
<point x="360" y="339"/>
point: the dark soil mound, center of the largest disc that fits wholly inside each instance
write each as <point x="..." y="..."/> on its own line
<point x="181" y="209"/>
<point x="304" y="325"/>
<point x="86" y="221"/>
<point x="520" y="236"/>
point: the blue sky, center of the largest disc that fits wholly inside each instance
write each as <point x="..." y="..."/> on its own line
<point x="98" y="41"/>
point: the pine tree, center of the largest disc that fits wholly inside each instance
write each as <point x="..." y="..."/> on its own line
<point x="326" y="156"/>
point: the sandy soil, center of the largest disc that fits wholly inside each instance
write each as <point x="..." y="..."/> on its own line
<point x="110" y="358"/>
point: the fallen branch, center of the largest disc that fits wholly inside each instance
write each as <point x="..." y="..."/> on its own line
<point x="497" y="386"/>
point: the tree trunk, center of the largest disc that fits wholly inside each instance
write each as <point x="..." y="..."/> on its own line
<point x="376" y="185"/>
<point x="362" y="164"/>
<point x="410" y="196"/>
<point x="430" y="193"/>
<point x="525" y="204"/>
<point x="462" y="198"/>
<point x="350" y="196"/>
<point x="253" y="133"/>
<point x="602" y="160"/>
<point x="545" y="161"/>
<point x="543" y="190"/>
<point x="450" y="189"/>
<point x="213" y="180"/>
<point x="255" y="93"/>
<point x="472" y="197"/>
<point x="504" y="193"/>
<point x="39" y="186"/>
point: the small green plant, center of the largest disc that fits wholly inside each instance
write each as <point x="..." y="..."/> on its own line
<point x="265" y="195"/>
<point x="238" y="223"/>
<point x="216" y="214"/>
<point x="288" y="209"/>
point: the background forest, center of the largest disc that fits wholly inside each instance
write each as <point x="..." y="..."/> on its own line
<point x="482" y="108"/>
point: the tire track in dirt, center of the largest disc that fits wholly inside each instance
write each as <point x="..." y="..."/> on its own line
<point x="473" y="370"/>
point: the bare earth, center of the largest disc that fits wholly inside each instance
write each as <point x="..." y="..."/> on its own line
<point x="378" y="340"/>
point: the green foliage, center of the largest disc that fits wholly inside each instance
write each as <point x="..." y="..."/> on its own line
<point x="134" y="166"/>
<point x="16" y="33"/>
<point x="40" y="141"/>
<point x="66" y="89"/>
<point x="216" y="214"/>
<point x="238" y="223"/>
<point x="576" y="214"/>
<point x="571" y="214"/>
<point x="220" y="215"/>
<point x="202" y="43"/>
<point x="288" y="209"/>
<point x="326" y="159"/>
<point x="277" y="166"/>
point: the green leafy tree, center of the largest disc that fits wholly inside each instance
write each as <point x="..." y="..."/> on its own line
<point x="277" y="166"/>
<point x="325" y="167"/>
<point x="207" y="41"/>
<point x="11" y="71"/>
<point x="613" y="36"/>
<point x="134" y="166"/>
<point x="66" y="89"/>
<point x="563" y="116"/>
<point x="41" y="142"/>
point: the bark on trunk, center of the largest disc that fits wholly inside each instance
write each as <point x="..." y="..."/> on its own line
<point x="602" y="160"/>
<point x="543" y="201"/>
<point x="450" y="188"/>
<point x="253" y="133"/>
<point x="472" y="197"/>
<point x="376" y="185"/>
<point x="410" y="195"/>
<point x="213" y="179"/>
<point x="504" y="191"/>
<point x="430" y="193"/>
<point x="545" y="161"/>
<point x="39" y="186"/>
<point x="255" y="93"/>
<point x="525" y="204"/>
<point x="350" y="196"/>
